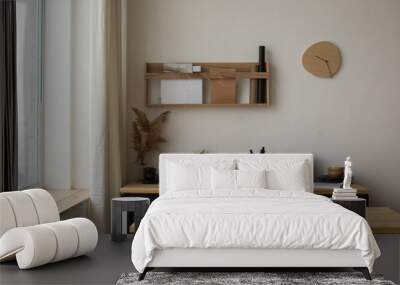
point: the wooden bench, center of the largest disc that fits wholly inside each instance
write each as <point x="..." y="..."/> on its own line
<point x="71" y="203"/>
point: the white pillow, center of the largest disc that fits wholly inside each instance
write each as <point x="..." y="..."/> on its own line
<point x="223" y="179"/>
<point x="282" y="174"/>
<point x="251" y="178"/>
<point x="188" y="175"/>
<point x="289" y="179"/>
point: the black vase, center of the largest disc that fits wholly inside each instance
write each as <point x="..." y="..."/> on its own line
<point x="150" y="175"/>
<point x="261" y="83"/>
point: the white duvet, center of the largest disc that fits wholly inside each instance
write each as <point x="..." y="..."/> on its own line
<point x="250" y="219"/>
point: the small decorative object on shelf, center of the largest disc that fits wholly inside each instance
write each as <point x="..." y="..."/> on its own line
<point x="196" y="68"/>
<point x="347" y="173"/>
<point x="150" y="175"/>
<point x="178" y="67"/>
<point x="262" y="150"/>
<point x="146" y="138"/>
<point x="181" y="67"/>
<point x="334" y="177"/>
<point x="336" y="173"/>
<point x="251" y="151"/>
<point x="261" y="83"/>
<point x="347" y="192"/>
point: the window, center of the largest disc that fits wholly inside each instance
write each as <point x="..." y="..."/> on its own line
<point x="29" y="91"/>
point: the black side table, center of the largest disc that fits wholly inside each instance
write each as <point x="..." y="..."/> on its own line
<point x="356" y="205"/>
<point x="120" y="207"/>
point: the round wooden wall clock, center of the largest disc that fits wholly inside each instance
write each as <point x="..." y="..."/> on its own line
<point x="322" y="59"/>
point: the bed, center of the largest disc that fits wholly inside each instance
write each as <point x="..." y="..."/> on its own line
<point x="246" y="211"/>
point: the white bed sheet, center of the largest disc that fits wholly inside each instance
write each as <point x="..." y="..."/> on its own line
<point x="252" y="218"/>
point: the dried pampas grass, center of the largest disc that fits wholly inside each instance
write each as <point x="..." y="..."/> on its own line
<point x="146" y="134"/>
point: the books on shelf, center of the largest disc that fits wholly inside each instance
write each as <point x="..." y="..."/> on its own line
<point x="344" y="194"/>
<point x="334" y="197"/>
<point x="341" y="190"/>
<point x="178" y="67"/>
<point x="181" y="67"/>
<point x="344" y="190"/>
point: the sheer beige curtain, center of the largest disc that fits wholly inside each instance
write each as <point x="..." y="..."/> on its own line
<point x="105" y="109"/>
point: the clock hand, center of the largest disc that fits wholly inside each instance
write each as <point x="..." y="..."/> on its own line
<point x="327" y="64"/>
<point x="320" y="58"/>
<point x="329" y="68"/>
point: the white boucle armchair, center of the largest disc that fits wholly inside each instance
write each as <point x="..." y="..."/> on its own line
<point x="31" y="230"/>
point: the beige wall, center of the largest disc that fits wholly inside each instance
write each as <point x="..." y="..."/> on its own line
<point x="356" y="113"/>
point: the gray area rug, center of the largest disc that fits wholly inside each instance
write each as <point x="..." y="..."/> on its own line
<point x="229" y="278"/>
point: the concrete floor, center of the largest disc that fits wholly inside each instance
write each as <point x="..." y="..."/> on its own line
<point x="110" y="259"/>
<point x="102" y="266"/>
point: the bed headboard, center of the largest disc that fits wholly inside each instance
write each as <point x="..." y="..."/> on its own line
<point x="178" y="157"/>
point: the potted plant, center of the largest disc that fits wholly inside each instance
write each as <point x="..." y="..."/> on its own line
<point x="146" y="138"/>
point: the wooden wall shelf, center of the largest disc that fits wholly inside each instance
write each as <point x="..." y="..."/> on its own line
<point x="212" y="72"/>
<point x="207" y="105"/>
<point x="207" y="75"/>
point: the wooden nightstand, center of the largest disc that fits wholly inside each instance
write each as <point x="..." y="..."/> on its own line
<point x="356" y="205"/>
<point x="150" y="191"/>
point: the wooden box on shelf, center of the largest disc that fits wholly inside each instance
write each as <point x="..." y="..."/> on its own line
<point x="222" y="79"/>
<point x="222" y="91"/>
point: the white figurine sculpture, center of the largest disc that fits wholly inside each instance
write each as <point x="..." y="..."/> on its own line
<point x="347" y="174"/>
